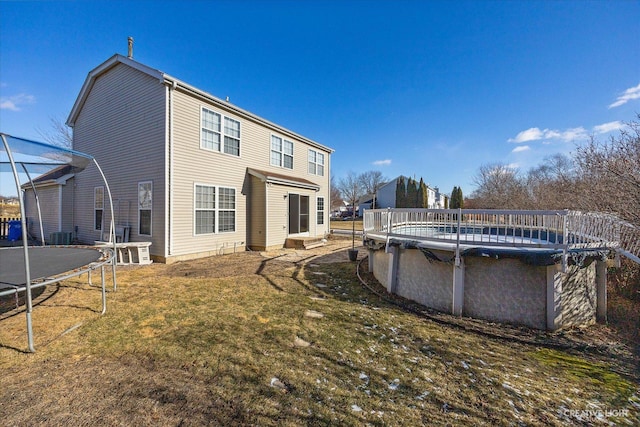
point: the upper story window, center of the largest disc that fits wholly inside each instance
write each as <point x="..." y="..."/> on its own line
<point x="281" y="152"/>
<point x="231" y="136"/>
<point x="212" y="132"/>
<point x="316" y="163"/>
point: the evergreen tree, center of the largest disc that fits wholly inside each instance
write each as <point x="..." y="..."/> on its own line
<point x="460" y="198"/>
<point x="412" y="193"/>
<point x="423" y="195"/>
<point x="454" y="198"/>
<point x="401" y="193"/>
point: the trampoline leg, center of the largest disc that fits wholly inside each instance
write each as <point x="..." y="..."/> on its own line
<point x="104" y="292"/>
<point x="113" y="272"/>
<point x="30" y="333"/>
<point x="89" y="274"/>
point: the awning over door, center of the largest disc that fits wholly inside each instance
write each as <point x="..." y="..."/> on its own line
<point x="290" y="181"/>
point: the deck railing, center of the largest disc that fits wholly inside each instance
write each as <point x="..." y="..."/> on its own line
<point x="543" y="229"/>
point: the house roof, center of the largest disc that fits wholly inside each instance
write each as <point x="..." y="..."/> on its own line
<point x="168" y="80"/>
<point x="59" y="175"/>
<point x="276" y="178"/>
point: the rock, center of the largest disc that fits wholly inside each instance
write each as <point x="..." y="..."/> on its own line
<point x="276" y="383"/>
<point x="299" y="342"/>
<point x="313" y="314"/>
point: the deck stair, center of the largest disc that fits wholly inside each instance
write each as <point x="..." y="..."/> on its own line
<point x="304" y="242"/>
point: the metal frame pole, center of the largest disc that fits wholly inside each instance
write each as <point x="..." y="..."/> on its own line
<point x="35" y="194"/>
<point x="25" y="246"/>
<point x="112" y="226"/>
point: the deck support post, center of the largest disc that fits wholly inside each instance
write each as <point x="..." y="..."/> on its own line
<point x="601" y="283"/>
<point x="457" y="302"/>
<point x="555" y="278"/>
<point x="392" y="278"/>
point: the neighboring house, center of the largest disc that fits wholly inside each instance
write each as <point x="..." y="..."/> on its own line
<point x="386" y="196"/>
<point x="441" y="200"/>
<point x="189" y="172"/>
<point x="55" y="193"/>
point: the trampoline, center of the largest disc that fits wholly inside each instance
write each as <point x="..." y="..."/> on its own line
<point x="27" y="267"/>
<point x="46" y="262"/>
<point x="50" y="265"/>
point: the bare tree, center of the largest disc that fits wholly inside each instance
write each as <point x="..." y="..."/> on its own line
<point x="552" y="184"/>
<point x="610" y="174"/>
<point x="499" y="186"/>
<point x="371" y="182"/>
<point x="351" y="189"/>
<point x="335" y="196"/>
<point x="60" y="134"/>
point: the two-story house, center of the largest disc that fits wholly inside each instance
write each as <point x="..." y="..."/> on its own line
<point x="387" y="195"/>
<point x="191" y="173"/>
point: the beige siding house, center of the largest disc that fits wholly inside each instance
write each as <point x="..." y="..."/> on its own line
<point x="191" y="173"/>
<point x="54" y="191"/>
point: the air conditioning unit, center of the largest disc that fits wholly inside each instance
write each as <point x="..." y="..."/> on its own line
<point x="60" y="238"/>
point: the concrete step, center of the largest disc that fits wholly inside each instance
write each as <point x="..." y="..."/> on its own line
<point x="304" y="242"/>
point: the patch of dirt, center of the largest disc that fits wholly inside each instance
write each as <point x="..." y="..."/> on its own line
<point x="270" y="262"/>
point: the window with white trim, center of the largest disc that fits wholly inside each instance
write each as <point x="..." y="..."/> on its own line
<point x="212" y="132"/>
<point x="320" y="210"/>
<point x="316" y="163"/>
<point x="281" y="152"/>
<point x="231" y="136"/>
<point x="226" y="209"/>
<point x="145" y="199"/>
<point x="215" y="209"/>
<point x="98" y="208"/>
<point x="210" y="139"/>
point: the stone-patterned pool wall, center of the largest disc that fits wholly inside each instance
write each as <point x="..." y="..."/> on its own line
<point x="579" y="296"/>
<point x="503" y="290"/>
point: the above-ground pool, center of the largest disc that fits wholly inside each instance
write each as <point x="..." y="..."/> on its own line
<point x="520" y="267"/>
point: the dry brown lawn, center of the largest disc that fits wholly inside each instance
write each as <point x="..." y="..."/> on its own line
<point x="338" y="224"/>
<point x="293" y="338"/>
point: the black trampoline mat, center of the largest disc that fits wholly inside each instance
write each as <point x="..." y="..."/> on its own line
<point x="43" y="262"/>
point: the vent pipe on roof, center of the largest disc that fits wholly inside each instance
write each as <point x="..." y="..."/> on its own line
<point x="130" y="55"/>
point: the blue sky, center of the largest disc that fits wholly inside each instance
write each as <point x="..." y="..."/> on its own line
<point x="431" y="89"/>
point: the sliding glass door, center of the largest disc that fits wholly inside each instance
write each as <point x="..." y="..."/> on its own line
<point x="298" y="214"/>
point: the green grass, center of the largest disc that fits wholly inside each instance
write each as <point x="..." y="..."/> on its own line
<point x="178" y="350"/>
<point x="338" y="224"/>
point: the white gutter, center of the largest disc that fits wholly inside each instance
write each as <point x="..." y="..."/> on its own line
<point x="243" y="113"/>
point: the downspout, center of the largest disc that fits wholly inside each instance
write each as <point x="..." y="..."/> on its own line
<point x="169" y="173"/>
<point x="60" y="201"/>
<point x="266" y="215"/>
<point x="25" y="246"/>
